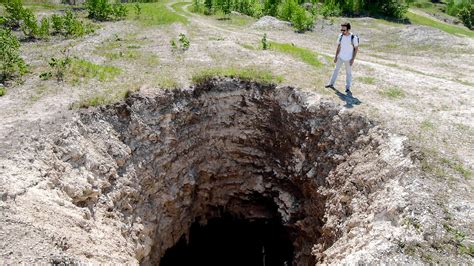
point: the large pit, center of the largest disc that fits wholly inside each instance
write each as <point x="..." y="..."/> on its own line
<point x="229" y="172"/>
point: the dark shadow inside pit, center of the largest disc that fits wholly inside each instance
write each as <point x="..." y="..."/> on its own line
<point x="233" y="241"/>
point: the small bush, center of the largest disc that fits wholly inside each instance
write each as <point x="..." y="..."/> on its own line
<point x="466" y="15"/>
<point x="286" y="9"/>
<point x="14" y="10"/>
<point x="138" y="9"/>
<point x="59" y="66"/>
<point x="44" y="27"/>
<point x="11" y="64"/>
<point x="119" y="11"/>
<point x="330" y="9"/>
<point x="302" y="20"/>
<point x="102" y="10"/>
<point x="3" y="91"/>
<point x="29" y="24"/>
<point x="183" y="42"/>
<point x="57" y="23"/>
<point x="74" y="27"/>
<point x="265" y="44"/>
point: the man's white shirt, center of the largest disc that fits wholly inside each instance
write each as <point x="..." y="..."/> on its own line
<point x="347" y="50"/>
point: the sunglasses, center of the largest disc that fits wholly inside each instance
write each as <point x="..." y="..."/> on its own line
<point x="343" y="30"/>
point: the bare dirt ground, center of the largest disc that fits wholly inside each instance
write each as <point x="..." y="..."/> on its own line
<point x="413" y="80"/>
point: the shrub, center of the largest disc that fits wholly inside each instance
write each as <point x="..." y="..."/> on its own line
<point x="119" y="11"/>
<point x="43" y="30"/>
<point x="14" y="10"/>
<point x="29" y="25"/>
<point x="57" y="23"/>
<point x="74" y="27"/>
<point x="11" y="64"/>
<point x="467" y="16"/>
<point x="302" y="20"/>
<point x="270" y="7"/>
<point x="286" y="9"/>
<point x="138" y="9"/>
<point x="102" y="10"/>
<point x="183" y="42"/>
<point x="330" y="9"/>
<point x="393" y="8"/>
<point x="59" y="67"/>
<point x="265" y="44"/>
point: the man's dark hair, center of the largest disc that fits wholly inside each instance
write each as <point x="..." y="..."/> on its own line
<point x="347" y="25"/>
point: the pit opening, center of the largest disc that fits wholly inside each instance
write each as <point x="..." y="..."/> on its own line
<point x="231" y="240"/>
<point x="215" y="174"/>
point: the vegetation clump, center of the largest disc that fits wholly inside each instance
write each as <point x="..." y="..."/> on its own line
<point x="11" y="64"/>
<point x="102" y="10"/>
<point x="68" y="25"/>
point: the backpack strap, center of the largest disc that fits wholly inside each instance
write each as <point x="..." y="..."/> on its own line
<point x="340" y="37"/>
<point x="352" y="39"/>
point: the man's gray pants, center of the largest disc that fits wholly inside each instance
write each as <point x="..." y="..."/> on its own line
<point x="347" y="64"/>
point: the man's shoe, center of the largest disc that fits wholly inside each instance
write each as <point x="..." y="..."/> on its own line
<point x="329" y="86"/>
<point x="348" y="91"/>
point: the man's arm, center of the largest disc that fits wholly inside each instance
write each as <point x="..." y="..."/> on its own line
<point x="356" y="49"/>
<point x="337" y="52"/>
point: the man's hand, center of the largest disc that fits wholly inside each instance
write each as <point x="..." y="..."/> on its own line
<point x="352" y="62"/>
<point x="335" y="60"/>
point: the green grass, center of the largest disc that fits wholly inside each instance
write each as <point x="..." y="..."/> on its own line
<point x="422" y="20"/>
<point x="458" y="167"/>
<point x="178" y="6"/>
<point x="122" y="55"/>
<point x="427" y="125"/>
<point x="3" y="91"/>
<point x="83" y="69"/>
<point x="250" y="73"/>
<point x="234" y="19"/>
<point x="392" y="93"/>
<point x="109" y="96"/>
<point x="166" y="82"/>
<point x="153" y="14"/>
<point x="367" y="80"/>
<point x="303" y="54"/>
<point x="248" y="46"/>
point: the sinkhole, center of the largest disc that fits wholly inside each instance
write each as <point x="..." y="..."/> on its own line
<point x="229" y="172"/>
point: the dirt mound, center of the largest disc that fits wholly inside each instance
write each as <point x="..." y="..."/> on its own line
<point x="268" y="22"/>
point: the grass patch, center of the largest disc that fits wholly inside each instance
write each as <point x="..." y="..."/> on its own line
<point x="3" y="91"/>
<point x="367" y="80"/>
<point x="427" y="125"/>
<point x="153" y="14"/>
<point x="458" y="167"/>
<point x="178" y="6"/>
<point x="392" y="93"/>
<point x="83" y="69"/>
<point x="303" y="54"/>
<point x="108" y="96"/>
<point x="248" y="46"/>
<point x="250" y="74"/>
<point x="234" y="19"/>
<point x="423" y="20"/>
<point x="122" y="55"/>
<point x="167" y="82"/>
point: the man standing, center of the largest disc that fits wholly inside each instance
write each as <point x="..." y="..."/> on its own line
<point x="347" y="47"/>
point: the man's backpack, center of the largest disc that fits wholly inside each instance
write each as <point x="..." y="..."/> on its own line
<point x="352" y="38"/>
